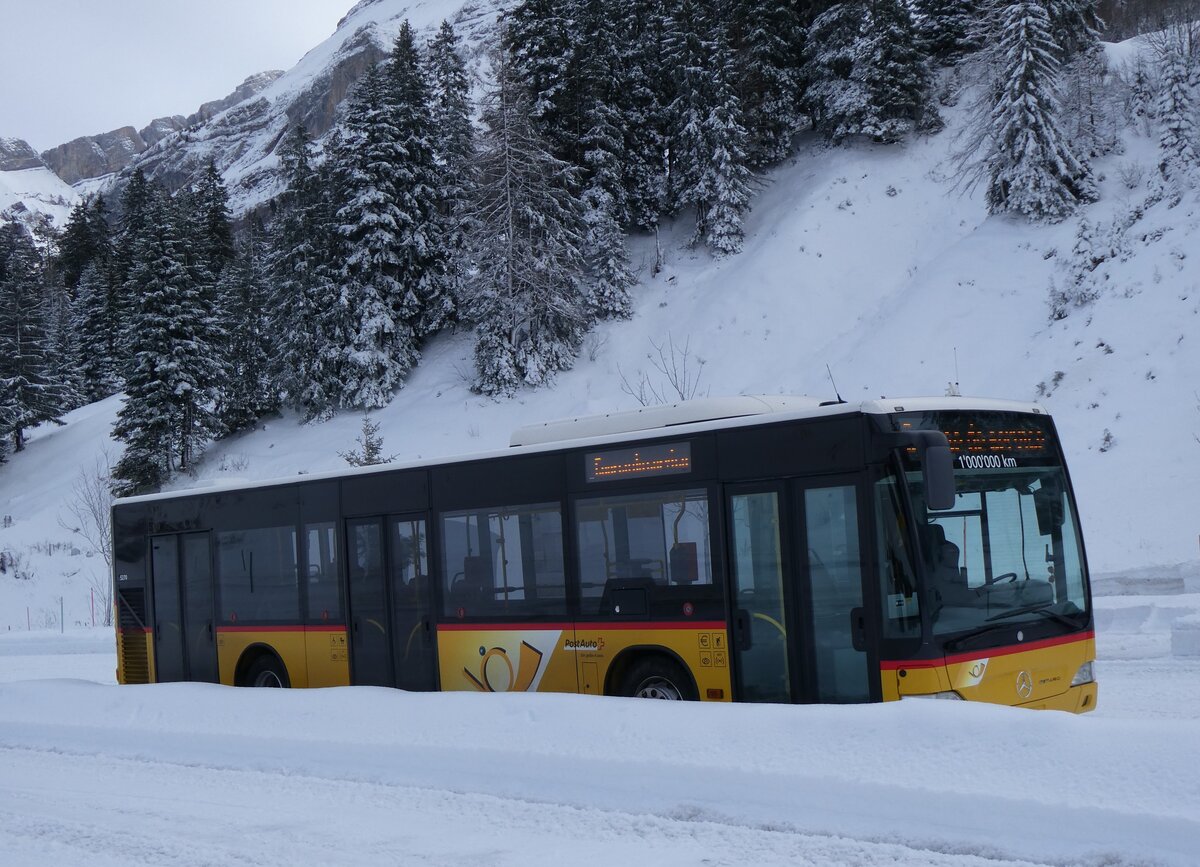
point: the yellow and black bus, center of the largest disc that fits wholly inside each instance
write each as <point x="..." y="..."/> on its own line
<point x="733" y="549"/>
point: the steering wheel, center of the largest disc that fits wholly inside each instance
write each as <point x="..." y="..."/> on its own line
<point x="1008" y="577"/>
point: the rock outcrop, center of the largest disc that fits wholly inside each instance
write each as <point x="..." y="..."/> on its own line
<point x="16" y="154"/>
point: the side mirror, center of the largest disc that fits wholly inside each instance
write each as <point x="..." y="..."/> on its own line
<point x="937" y="465"/>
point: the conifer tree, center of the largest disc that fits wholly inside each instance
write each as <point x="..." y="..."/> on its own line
<point x="454" y="150"/>
<point x="894" y="72"/>
<point x="835" y="95"/>
<point x="647" y="90"/>
<point x="946" y="28"/>
<point x="213" y="240"/>
<point x="1031" y="168"/>
<point x="424" y="268"/>
<point x="708" y="152"/>
<point x="248" y="389"/>
<point x="527" y="300"/>
<point x="304" y="298"/>
<point x="374" y="326"/>
<point x="541" y="39"/>
<point x="96" y="325"/>
<point x="172" y="386"/>
<point x="1176" y="117"/>
<point x="768" y="38"/>
<point x="85" y="239"/>
<point x="32" y="394"/>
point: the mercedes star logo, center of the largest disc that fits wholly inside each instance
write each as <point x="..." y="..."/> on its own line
<point x="1024" y="685"/>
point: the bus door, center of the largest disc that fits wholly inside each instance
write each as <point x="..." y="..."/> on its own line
<point x="412" y="604"/>
<point x="184" y="645"/>
<point x="366" y="585"/>
<point x="797" y="564"/>
<point x="391" y="631"/>
<point x="831" y="568"/>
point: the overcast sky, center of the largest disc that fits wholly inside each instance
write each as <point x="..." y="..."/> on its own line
<point x="78" y="67"/>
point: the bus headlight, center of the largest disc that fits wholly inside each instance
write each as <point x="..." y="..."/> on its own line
<point x="950" y="695"/>
<point x="1086" y="674"/>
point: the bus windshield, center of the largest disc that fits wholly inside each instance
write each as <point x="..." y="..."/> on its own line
<point x="1008" y="551"/>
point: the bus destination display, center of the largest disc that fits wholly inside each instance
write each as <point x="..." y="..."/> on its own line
<point x="665" y="459"/>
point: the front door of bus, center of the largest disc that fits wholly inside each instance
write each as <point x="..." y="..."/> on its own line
<point x="797" y="563"/>
<point x="391" y="633"/>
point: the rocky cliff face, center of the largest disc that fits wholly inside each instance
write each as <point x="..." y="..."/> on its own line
<point x="108" y="153"/>
<point x="16" y="154"/>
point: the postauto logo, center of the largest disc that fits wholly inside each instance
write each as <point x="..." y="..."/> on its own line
<point x="495" y="663"/>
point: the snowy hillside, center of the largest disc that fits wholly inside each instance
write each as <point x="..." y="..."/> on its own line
<point x="27" y="193"/>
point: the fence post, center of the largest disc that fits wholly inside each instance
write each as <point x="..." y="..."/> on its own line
<point x="62" y="624"/>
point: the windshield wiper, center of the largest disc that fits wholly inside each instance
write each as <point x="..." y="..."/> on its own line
<point x="1042" y="608"/>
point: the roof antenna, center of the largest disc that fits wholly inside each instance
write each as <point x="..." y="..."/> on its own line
<point x="834" y="384"/>
<point x="952" y="389"/>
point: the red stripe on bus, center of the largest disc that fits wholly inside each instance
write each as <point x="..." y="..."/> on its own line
<point x="594" y="627"/>
<point x="1007" y="650"/>
<point x="281" y="628"/>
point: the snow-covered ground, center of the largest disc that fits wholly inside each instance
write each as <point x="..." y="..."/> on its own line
<point x="191" y="774"/>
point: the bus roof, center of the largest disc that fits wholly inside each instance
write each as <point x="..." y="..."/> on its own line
<point x="677" y="419"/>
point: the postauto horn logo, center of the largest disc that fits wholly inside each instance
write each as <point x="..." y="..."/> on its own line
<point x="494" y="660"/>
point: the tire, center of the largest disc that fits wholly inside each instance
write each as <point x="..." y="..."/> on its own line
<point x="657" y="677"/>
<point x="267" y="671"/>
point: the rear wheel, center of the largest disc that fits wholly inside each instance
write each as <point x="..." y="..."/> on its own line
<point x="267" y="671"/>
<point x="658" y="678"/>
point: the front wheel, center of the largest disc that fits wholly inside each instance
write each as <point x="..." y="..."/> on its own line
<point x="267" y="671"/>
<point x="658" y="678"/>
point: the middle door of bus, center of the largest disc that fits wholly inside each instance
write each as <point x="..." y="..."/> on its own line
<point x="797" y="564"/>
<point x="391" y="629"/>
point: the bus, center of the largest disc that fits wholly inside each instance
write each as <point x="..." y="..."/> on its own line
<point x="763" y="549"/>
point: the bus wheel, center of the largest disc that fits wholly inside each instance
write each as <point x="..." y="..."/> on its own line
<point x="267" y="671"/>
<point x="658" y="678"/>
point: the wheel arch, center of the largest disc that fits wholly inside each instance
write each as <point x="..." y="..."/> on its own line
<point x="620" y="667"/>
<point x="251" y="655"/>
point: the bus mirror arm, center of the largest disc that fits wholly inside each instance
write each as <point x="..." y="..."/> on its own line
<point x="937" y="465"/>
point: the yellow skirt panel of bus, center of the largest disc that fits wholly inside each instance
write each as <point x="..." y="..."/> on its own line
<point x="1037" y="677"/>
<point x="135" y="656"/>
<point x="566" y="658"/>
<point x="287" y="644"/>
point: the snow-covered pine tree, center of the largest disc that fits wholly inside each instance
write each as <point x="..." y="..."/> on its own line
<point x="304" y="297"/>
<point x="62" y="341"/>
<point x="1087" y="105"/>
<point x="96" y="325"/>
<point x="32" y="395"/>
<point x="424" y="269"/>
<point x="835" y="96"/>
<point x="602" y="142"/>
<point x="454" y="151"/>
<point x="374" y="321"/>
<point x="647" y="89"/>
<point x="248" y="391"/>
<point x="1176" y="117"/>
<point x="768" y="37"/>
<point x="1030" y="166"/>
<point x="213" y="238"/>
<point x="946" y="28"/>
<point x="85" y="239"/>
<point x="708" y="142"/>
<point x="542" y="39"/>
<point x="527" y="302"/>
<point x="1075" y="25"/>
<point x="895" y="72"/>
<point x="172" y="387"/>
<point x="133" y="224"/>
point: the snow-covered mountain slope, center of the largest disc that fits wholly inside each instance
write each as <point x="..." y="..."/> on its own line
<point x="33" y="196"/>
<point x="242" y="139"/>
<point x="862" y="258"/>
